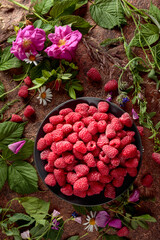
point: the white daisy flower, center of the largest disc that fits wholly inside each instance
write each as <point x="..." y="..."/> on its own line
<point x="91" y="223"/>
<point x="33" y="59"/>
<point x="45" y="95"/>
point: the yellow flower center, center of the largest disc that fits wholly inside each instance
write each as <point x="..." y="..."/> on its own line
<point x="92" y="221"/>
<point x="32" y="58"/>
<point x="43" y="95"/>
<point x="61" y="42"/>
<point x="26" y="43"/>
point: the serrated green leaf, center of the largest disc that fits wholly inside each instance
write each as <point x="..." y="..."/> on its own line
<point x="3" y="172"/>
<point x="37" y="23"/>
<point x="134" y="224"/>
<point x="72" y="92"/>
<point x="11" y="63"/>
<point x="46" y="74"/>
<point x="143" y="224"/>
<point x="36" y="71"/>
<point x="2" y="90"/>
<point x="42" y="6"/>
<point x="154" y="11"/>
<point x="77" y="86"/>
<point x="11" y="39"/>
<point x="146" y="217"/>
<point x="5" y="55"/>
<point x="19" y="77"/>
<point x="80" y="3"/>
<point x="22" y="178"/>
<point x="13" y="232"/>
<point x="61" y="7"/>
<point x="108" y="14"/>
<point x="20" y="216"/>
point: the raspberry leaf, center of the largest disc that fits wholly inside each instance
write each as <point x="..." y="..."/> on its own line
<point x="22" y="178"/>
<point x="3" y="172"/>
<point x="8" y="61"/>
<point x="2" y="90"/>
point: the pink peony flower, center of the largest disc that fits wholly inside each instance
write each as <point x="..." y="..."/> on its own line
<point x="29" y="39"/>
<point x="65" y="42"/>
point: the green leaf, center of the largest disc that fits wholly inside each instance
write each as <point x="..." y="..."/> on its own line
<point x="43" y="6"/>
<point x="113" y="237"/>
<point x="146" y="217"/>
<point x="37" y="23"/>
<point x="157" y="126"/>
<point x="154" y="11"/>
<point x="38" y="231"/>
<point x="73" y="238"/>
<point x="72" y="92"/>
<point x="77" y="22"/>
<point x="151" y="114"/>
<point x="19" y="77"/>
<point x="108" y="13"/>
<point x="20" y="216"/>
<point x="11" y="39"/>
<point x="35" y="207"/>
<point x="10" y="132"/>
<point x="22" y="177"/>
<point x="134" y="224"/>
<point x="25" y="152"/>
<point x="143" y="224"/>
<point x="110" y="41"/>
<point x="80" y="3"/>
<point x="2" y="90"/>
<point x="5" y="55"/>
<point x="3" y="172"/>
<point x="149" y="34"/>
<point x="61" y="7"/>
<point x="8" y="61"/>
<point x="80" y="209"/>
<point x="36" y="71"/>
<point x="13" y="232"/>
<point x="77" y="86"/>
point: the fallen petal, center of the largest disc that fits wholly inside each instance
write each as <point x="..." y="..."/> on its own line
<point x="15" y="147"/>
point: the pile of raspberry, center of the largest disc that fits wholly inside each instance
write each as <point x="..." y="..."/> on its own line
<point x="88" y="150"/>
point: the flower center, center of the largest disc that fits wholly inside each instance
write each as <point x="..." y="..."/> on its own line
<point x="61" y="42"/>
<point x="43" y="95"/>
<point x="26" y="43"/>
<point x="92" y="221"/>
<point x="32" y="58"/>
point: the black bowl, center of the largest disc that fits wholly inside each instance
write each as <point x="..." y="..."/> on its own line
<point x="99" y="198"/>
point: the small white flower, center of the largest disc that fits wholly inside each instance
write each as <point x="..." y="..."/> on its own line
<point x="25" y="235"/>
<point x="45" y="95"/>
<point x="33" y="59"/>
<point x="91" y="223"/>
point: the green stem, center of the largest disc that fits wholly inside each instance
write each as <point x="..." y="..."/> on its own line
<point x="11" y="89"/>
<point x="62" y="226"/>
<point x="135" y="9"/>
<point x="83" y="235"/>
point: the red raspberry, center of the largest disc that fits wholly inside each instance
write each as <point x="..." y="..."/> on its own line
<point x="116" y="143"/>
<point x="23" y="91"/>
<point x="103" y="157"/>
<point x="94" y="75"/>
<point x="89" y="160"/>
<point x="81" y="184"/>
<point x="100" y="116"/>
<point x="48" y="127"/>
<point x="110" y="116"/>
<point x="60" y="163"/>
<point x="59" y="126"/>
<point x="96" y="187"/>
<point x="110" y="132"/>
<point x="92" y="110"/>
<point x="73" y="137"/>
<point x="44" y="154"/>
<point x="67" y="128"/>
<point x="123" y="232"/>
<point x="111" y="85"/>
<point x="28" y="111"/>
<point x="53" y="147"/>
<point x="111" y="152"/>
<point x="82" y="107"/>
<point x="71" y="177"/>
<point x="81" y="170"/>
<point x="70" y="167"/>
<point x="125" y="141"/>
<point x="156" y="157"/>
<point x="103" y="107"/>
<point x="105" y="179"/>
<point x="132" y="172"/>
<point x="85" y="135"/>
<point x="81" y="194"/>
<point x="117" y="125"/>
<point x="132" y="163"/>
<point x="117" y="172"/>
<point x="115" y="162"/>
<point x="49" y="139"/>
<point x="126" y="120"/>
<point x="95" y="137"/>
<point x="72" y="117"/>
<point x="51" y="158"/>
<point x="67" y="190"/>
<point x="93" y="128"/>
<point x="16" y="118"/>
<point x="79" y="146"/>
<point x="41" y="144"/>
<point x="91" y="146"/>
<point x="63" y="146"/>
<point x="90" y="192"/>
<point x="87" y="120"/>
<point x="130" y="151"/>
<point x="48" y="168"/>
<point x="109" y="191"/>
<point x="118" y="182"/>
<point x="28" y="81"/>
<point x="102" y="126"/>
<point x="78" y="126"/>
<point x="93" y="176"/>
<point x="56" y="119"/>
<point x="50" y="180"/>
<point x="77" y="154"/>
<point x="60" y="177"/>
<point x="121" y="134"/>
<point x="130" y="133"/>
<point x="103" y="168"/>
<point x="147" y="180"/>
<point x="140" y="130"/>
<point x="102" y="140"/>
<point x="57" y="135"/>
<point x="68" y="158"/>
<point x="96" y="152"/>
<point x="65" y="111"/>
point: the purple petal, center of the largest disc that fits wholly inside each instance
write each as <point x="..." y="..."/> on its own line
<point x="25" y="235"/>
<point x="15" y="147"/>
<point x="134" y="114"/>
<point x="55" y="213"/>
<point x="78" y="220"/>
<point x="116" y="223"/>
<point x="102" y="219"/>
<point x="134" y="197"/>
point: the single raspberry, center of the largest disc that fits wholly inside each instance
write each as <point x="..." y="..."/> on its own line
<point x="57" y="135"/>
<point x="111" y="152"/>
<point x="50" y="180"/>
<point x="60" y="163"/>
<point x="28" y="81"/>
<point x="67" y="128"/>
<point x="125" y="141"/>
<point x="156" y="157"/>
<point x="78" y="126"/>
<point x="116" y="143"/>
<point x="126" y="120"/>
<point x="109" y="191"/>
<point x="51" y="158"/>
<point x="147" y="180"/>
<point x="85" y="135"/>
<point x="102" y="168"/>
<point x="96" y="187"/>
<point x="60" y="177"/>
<point x="103" y="107"/>
<point x="102" y="126"/>
<point x="72" y="117"/>
<point x="129" y="151"/>
<point x="91" y="146"/>
<point x="92" y="110"/>
<point x="82" y="107"/>
<point x="67" y="190"/>
<point x="117" y="125"/>
<point x="115" y="162"/>
<point x="70" y="167"/>
<point x="81" y="184"/>
<point x="123" y="232"/>
<point x="110" y="116"/>
<point x="110" y="132"/>
<point x="65" y="111"/>
<point x="93" y="128"/>
<point x="73" y="137"/>
<point x="81" y="170"/>
<point x="41" y="144"/>
<point x="132" y="163"/>
<point x="130" y="133"/>
<point x="16" y="118"/>
<point x="68" y="157"/>
<point x="28" y="111"/>
<point x="53" y="147"/>
<point x="79" y="146"/>
<point x="122" y="160"/>
<point x="132" y="172"/>
<point x="93" y="176"/>
<point x="49" y="139"/>
<point x="111" y="85"/>
<point x="118" y="182"/>
<point x="105" y="179"/>
<point x="48" y="127"/>
<point x="94" y="75"/>
<point x="102" y="140"/>
<point x="48" y="168"/>
<point x="96" y="152"/>
<point x="44" y="154"/>
<point x="77" y="154"/>
<point x="23" y="91"/>
<point x="63" y="146"/>
<point x="117" y="172"/>
<point x="121" y="134"/>
<point x="89" y="160"/>
<point x="56" y="119"/>
<point x="100" y="116"/>
<point x="71" y="177"/>
<point x="87" y="120"/>
<point x="81" y="194"/>
<point x="103" y="157"/>
<point x="90" y="192"/>
<point x="140" y="130"/>
<point x="59" y="126"/>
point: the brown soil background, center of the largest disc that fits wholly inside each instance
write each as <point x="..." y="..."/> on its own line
<point x="89" y="54"/>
